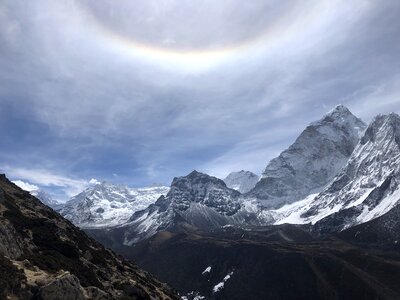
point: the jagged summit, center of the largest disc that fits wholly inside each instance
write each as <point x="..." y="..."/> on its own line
<point x="312" y="161"/>
<point x="339" y="110"/>
<point x="389" y="123"/>
<point x="242" y="181"/>
<point x="340" y="116"/>
<point x="196" y="177"/>
<point x="197" y="199"/>
<point x="368" y="186"/>
<point x="107" y="204"/>
<point x="205" y="189"/>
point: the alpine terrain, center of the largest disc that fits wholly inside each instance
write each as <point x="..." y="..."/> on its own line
<point x="46" y="198"/>
<point x="106" y="204"/>
<point x="312" y="161"/>
<point x="321" y="223"/>
<point x="367" y="187"/>
<point x="44" y="256"/>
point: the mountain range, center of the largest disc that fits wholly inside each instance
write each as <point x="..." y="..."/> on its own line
<point x="326" y="208"/>
<point x="106" y="204"/>
<point x="341" y="169"/>
<point x="44" y="256"/>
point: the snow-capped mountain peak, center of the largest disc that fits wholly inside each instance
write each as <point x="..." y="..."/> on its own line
<point x="45" y="198"/>
<point x="107" y="204"/>
<point x="242" y="181"/>
<point x="368" y="186"/>
<point x="312" y="161"/>
<point x="197" y="199"/>
<point x="204" y="189"/>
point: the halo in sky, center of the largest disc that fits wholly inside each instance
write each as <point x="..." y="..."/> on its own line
<point x="197" y="34"/>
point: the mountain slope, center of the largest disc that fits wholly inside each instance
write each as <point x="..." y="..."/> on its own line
<point x="46" y="257"/>
<point x="274" y="262"/>
<point x="106" y="204"/>
<point x="368" y="186"/>
<point x="383" y="231"/>
<point x="45" y="198"/>
<point x="197" y="201"/>
<point x="242" y="181"/>
<point x="312" y="161"/>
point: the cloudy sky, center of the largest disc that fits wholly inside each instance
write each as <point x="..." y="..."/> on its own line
<point x="137" y="92"/>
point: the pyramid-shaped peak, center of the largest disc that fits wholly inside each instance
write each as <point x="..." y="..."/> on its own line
<point x="341" y="116"/>
<point x="339" y="109"/>
<point x="195" y="173"/>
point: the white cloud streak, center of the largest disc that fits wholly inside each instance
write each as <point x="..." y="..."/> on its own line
<point x="26" y="185"/>
<point x="45" y="178"/>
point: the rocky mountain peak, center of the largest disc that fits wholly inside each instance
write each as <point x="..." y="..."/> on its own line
<point x="195" y="179"/>
<point x="369" y="185"/>
<point x="341" y="117"/>
<point x="339" y="111"/>
<point x="312" y="161"/>
<point x="383" y="127"/>
<point x="108" y="204"/>
<point x="205" y="189"/>
<point x="45" y="198"/>
<point x="242" y="181"/>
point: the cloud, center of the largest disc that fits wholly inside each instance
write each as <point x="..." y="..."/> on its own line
<point x="40" y="177"/>
<point x="26" y="185"/>
<point x="85" y="103"/>
<point x="94" y="181"/>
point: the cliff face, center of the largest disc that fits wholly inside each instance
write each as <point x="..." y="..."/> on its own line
<point x="242" y="181"/>
<point x="45" y="256"/>
<point x="312" y="161"/>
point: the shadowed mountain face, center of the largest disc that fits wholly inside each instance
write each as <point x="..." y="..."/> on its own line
<point x="273" y="262"/>
<point x="381" y="232"/>
<point x="44" y="256"/>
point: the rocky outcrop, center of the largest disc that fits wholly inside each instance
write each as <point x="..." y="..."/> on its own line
<point x="66" y="287"/>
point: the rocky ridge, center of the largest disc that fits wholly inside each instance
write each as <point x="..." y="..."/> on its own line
<point x="46" y="257"/>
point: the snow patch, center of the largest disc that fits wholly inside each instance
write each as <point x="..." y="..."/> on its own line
<point x="207" y="270"/>
<point x="221" y="285"/>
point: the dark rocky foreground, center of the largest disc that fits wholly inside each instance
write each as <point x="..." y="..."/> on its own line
<point x="44" y="256"/>
<point x="274" y="262"/>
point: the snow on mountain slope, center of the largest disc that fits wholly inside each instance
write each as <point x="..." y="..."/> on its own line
<point x="312" y="161"/>
<point x="198" y="200"/>
<point x="45" y="198"/>
<point x="366" y="188"/>
<point x="242" y="181"/>
<point x="106" y="204"/>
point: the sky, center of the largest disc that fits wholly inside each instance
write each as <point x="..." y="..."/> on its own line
<point x="138" y="92"/>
